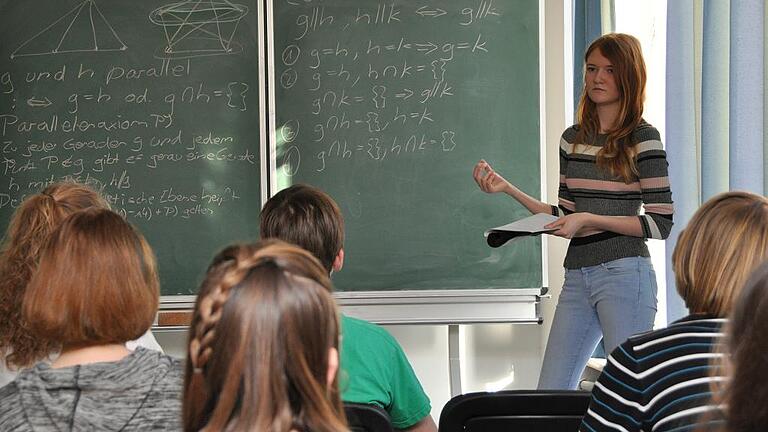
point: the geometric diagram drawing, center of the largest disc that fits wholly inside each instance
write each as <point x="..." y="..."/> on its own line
<point x="83" y="29"/>
<point x="198" y="28"/>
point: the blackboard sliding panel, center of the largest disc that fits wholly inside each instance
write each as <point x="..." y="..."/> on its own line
<point x="386" y="107"/>
<point x="157" y="105"/>
<point x="186" y="302"/>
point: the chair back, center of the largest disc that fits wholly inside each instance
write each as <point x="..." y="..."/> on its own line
<point x="367" y="418"/>
<point x="515" y="410"/>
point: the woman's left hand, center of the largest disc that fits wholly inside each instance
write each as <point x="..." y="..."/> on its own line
<point x="569" y="226"/>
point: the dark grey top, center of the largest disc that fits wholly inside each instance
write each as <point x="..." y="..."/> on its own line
<point x="141" y="392"/>
<point x="584" y="187"/>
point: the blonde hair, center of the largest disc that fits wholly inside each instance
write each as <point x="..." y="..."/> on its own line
<point x="96" y="282"/>
<point x="726" y="239"/>
<point x="30" y="227"/>
<point x="262" y="328"/>
<point x="617" y="156"/>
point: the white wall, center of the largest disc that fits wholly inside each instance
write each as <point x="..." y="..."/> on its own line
<point x="494" y="356"/>
<point x="558" y="84"/>
<point x="427" y="349"/>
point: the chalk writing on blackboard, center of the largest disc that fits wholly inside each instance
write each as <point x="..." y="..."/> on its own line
<point x="378" y="97"/>
<point x="198" y="28"/>
<point x="127" y="98"/>
<point x="107" y="124"/>
<point x="82" y="29"/>
<point x="383" y="104"/>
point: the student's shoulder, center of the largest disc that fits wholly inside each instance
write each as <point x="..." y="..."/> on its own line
<point x="151" y="356"/>
<point x="168" y="370"/>
<point x="642" y="338"/>
<point x="8" y="392"/>
<point x="650" y="338"/>
<point x="640" y="348"/>
<point x="10" y="405"/>
<point x="174" y="369"/>
<point x="361" y="330"/>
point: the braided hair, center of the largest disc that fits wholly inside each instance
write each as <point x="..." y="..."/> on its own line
<point x="259" y="343"/>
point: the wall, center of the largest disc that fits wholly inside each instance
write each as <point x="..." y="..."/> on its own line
<point x="494" y="356"/>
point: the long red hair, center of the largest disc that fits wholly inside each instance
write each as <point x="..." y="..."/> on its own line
<point x="618" y="154"/>
<point x="96" y="283"/>
<point x="260" y="336"/>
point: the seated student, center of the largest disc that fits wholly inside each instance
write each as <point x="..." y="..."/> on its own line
<point x="264" y="338"/>
<point x="95" y="289"/>
<point x="374" y="367"/>
<point x="745" y="395"/>
<point x="660" y="380"/>
<point x="30" y="226"/>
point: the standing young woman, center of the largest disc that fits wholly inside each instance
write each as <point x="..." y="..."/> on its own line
<point x="611" y="163"/>
<point x="264" y="340"/>
<point x="30" y="227"/>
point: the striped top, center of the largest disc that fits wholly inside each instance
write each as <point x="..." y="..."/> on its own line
<point x="586" y="188"/>
<point x="660" y="380"/>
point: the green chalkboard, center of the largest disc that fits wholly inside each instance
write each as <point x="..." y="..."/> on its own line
<point x="387" y="106"/>
<point x="154" y="103"/>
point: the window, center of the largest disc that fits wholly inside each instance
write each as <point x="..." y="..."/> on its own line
<point x="647" y="21"/>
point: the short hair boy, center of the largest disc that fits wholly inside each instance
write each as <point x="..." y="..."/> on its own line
<point x="377" y="369"/>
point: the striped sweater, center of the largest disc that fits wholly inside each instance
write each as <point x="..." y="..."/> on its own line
<point x="660" y="380"/>
<point x="586" y="188"/>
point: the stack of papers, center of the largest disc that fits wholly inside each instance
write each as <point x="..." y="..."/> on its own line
<point x="530" y="226"/>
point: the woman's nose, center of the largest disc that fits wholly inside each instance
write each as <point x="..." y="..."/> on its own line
<point x="599" y="76"/>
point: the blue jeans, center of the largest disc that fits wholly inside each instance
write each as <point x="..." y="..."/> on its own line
<point x="614" y="300"/>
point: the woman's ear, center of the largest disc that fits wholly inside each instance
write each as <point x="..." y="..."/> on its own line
<point x="338" y="262"/>
<point x="333" y="364"/>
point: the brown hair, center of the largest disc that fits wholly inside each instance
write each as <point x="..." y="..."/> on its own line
<point x="746" y="401"/>
<point x="96" y="282"/>
<point x="262" y="328"/>
<point x="30" y="227"/>
<point x="725" y="240"/>
<point x="307" y="217"/>
<point x="618" y="154"/>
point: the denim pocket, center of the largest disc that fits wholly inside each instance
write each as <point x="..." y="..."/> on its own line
<point x="622" y="265"/>
<point x="647" y="295"/>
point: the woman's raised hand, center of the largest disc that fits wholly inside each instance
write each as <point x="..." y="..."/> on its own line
<point x="489" y="180"/>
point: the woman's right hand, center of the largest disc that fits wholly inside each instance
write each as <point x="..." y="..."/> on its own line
<point x="489" y="180"/>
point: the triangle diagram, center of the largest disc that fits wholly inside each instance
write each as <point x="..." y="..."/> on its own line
<point x="82" y="29"/>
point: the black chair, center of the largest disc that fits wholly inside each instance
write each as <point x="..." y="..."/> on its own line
<point x="367" y="418"/>
<point x="516" y="410"/>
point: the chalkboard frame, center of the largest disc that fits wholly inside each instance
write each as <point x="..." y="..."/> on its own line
<point x="462" y="306"/>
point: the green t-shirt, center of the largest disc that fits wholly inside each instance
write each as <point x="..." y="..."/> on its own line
<point x="374" y="370"/>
